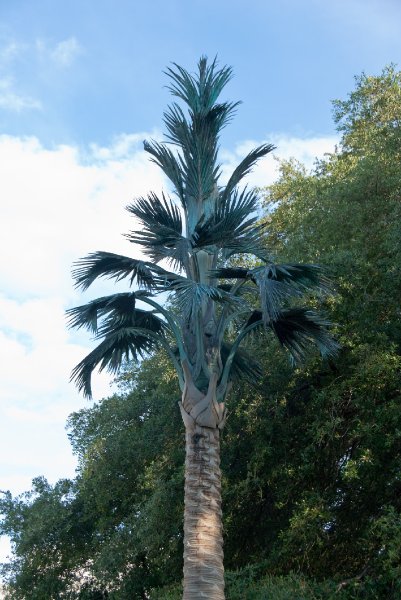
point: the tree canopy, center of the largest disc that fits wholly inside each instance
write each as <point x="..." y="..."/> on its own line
<point x="197" y="234"/>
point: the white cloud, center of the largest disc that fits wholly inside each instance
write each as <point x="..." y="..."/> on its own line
<point x="12" y="100"/>
<point x="39" y="353"/>
<point x="66" y="51"/>
<point x="59" y="205"/>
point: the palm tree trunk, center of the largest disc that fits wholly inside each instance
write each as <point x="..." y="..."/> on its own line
<point x="203" y="532"/>
<point x="203" y="535"/>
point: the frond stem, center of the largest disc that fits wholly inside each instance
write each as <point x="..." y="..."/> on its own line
<point x="169" y="351"/>
<point x="174" y="328"/>
<point x="223" y="321"/>
<point x="231" y="356"/>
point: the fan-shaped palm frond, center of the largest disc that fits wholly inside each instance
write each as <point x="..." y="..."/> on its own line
<point x="123" y="344"/>
<point x="197" y="140"/>
<point x="190" y="296"/>
<point x="156" y="213"/>
<point x="197" y="137"/>
<point x="126" y="331"/>
<point x="117" y="266"/>
<point x="161" y="232"/>
<point x="139" y="319"/>
<point x="88" y="314"/>
<point x="179" y="130"/>
<point x="116" y="309"/>
<point x="302" y="276"/>
<point x="204" y="126"/>
<point x="232" y="223"/>
<point x="297" y="329"/>
<point x="277" y="283"/>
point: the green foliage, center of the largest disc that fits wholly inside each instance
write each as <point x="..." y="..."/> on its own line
<point x="287" y="481"/>
<point x="346" y="214"/>
<point x="251" y="583"/>
<point x="42" y="524"/>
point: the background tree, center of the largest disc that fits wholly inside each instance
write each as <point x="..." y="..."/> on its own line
<point x="198" y="237"/>
<point x="346" y="214"/>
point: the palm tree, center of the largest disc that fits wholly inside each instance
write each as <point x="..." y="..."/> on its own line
<point x="198" y="235"/>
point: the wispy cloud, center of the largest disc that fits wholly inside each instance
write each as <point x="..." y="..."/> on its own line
<point x="12" y="100"/>
<point x="10" y="51"/>
<point x="60" y="56"/>
<point x="66" y="51"/>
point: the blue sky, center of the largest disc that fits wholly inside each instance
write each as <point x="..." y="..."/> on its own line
<point x="290" y="59"/>
<point x="81" y="85"/>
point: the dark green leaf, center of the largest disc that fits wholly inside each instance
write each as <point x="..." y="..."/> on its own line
<point x="113" y="266"/>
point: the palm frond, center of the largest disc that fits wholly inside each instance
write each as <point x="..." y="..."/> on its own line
<point x="190" y="296"/>
<point x="126" y="332"/>
<point x="197" y="137"/>
<point x="165" y="159"/>
<point x="139" y="319"/>
<point x="246" y="166"/>
<point x="121" y="345"/>
<point x="232" y="225"/>
<point x="155" y="212"/>
<point x="178" y="129"/>
<point x="277" y="283"/>
<point x="217" y="117"/>
<point x="161" y="233"/>
<point x="232" y="273"/>
<point x="201" y="126"/>
<point x="88" y="314"/>
<point x="117" y="308"/>
<point x="272" y="294"/>
<point x="301" y="276"/>
<point x="298" y="330"/>
<point x="201" y="92"/>
<point x="113" y="266"/>
<point x="197" y="140"/>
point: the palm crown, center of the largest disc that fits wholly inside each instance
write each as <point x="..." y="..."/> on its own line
<point x="197" y="237"/>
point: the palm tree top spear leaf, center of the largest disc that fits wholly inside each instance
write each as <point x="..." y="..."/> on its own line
<point x="191" y="241"/>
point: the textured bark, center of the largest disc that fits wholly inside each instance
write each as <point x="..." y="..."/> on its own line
<point x="203" y="537"/>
